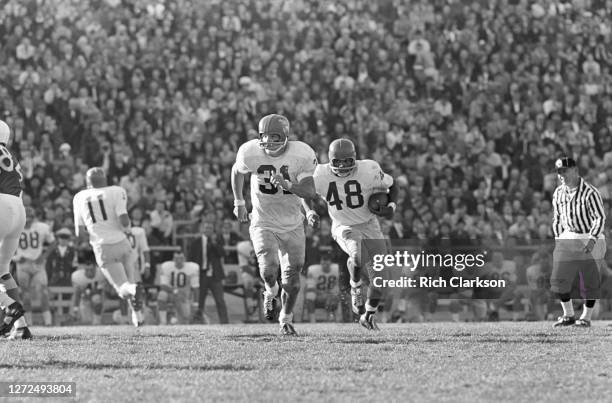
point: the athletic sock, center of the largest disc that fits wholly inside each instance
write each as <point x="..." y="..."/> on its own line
<point x="568" y="308"/>
<point x="285" y="317"/>
<point x="5" y="300"/>
<point x="586" y="313"/>
<point x="21" y="322"/>
<point x="272" y="290"/>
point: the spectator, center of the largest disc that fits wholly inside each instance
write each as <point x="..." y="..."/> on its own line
<point x="207" y="251"/>
<point x="61" y="260"/>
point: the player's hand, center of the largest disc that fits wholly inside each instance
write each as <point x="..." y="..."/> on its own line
<point x="279" y="181"/>
<point x="589" y="246"/>
<point x="313" y="219"/>
<point x="241" y="213"/>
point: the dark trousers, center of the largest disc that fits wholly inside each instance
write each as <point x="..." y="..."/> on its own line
<point x="216" y="288"/>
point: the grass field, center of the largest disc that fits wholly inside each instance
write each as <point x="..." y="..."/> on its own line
<point x="417" y="362"/>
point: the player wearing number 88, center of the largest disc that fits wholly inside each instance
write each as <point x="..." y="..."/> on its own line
<point x="281" y="173"/>
<point x="31" y="272"/>
<point x="179" y="285"/>
<point x="346" y="184"/>
<point x="101" y="211"/>
<point x="13" y="222"/>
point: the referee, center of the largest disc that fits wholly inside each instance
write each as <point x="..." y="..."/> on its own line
<point x="578" y="222"/>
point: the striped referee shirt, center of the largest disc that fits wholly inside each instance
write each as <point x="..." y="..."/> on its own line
<point x="580" y="211"/>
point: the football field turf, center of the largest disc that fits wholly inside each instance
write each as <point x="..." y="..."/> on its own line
<point x="327" y="362"/>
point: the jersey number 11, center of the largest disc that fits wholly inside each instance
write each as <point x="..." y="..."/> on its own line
<point x="102" y="210"/>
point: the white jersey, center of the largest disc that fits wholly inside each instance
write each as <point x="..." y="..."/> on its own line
<point x="82" y="282"/>
<point x="33" y="239"/>
<point x="186" y="277"/>
<point x="139" y="244"/>
<point x="323" y="282"/>
<point x="347" y="197"/>
<point x="99" y="209"/>
<point x="274" y="208"/>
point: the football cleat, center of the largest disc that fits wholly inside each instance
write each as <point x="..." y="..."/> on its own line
<point x="269" y="306"/>
<point x="564" y="321"/>
<point x="357" y="301"/>
<point x="23" y="333"/>
<point x="368" y="320"/>
<point x="582" y="323"/>
<point x="287" y="329"/>
<point x="11" y="314"/>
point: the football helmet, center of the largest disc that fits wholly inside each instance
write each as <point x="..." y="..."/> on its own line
<point x="273" y="134"/>
<point x="342" y="157"/>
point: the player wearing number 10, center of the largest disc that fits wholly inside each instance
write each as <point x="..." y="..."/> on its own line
<point x="281" y="173"/>
<point x="101" y="210"/>
<point x="179" y="283"/>
<point x="13" y="221"/>
<point x="346" y="184"/>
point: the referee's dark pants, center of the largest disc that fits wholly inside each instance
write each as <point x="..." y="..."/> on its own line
<point x="575" y="272"/>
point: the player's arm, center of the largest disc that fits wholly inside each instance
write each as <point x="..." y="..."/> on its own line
<point x="79" y="224"/>
<point x="239" y="172"/>
<point x="596" y="209"/>
<point x="305" y="186"/>
<point x="121" y="210"/>
<point x="145" y="270"/>
<point x="311" y="216"/>
<point x="556" y="224"/>
<point x="385" y="181"/>
<point x="164" y="280"/>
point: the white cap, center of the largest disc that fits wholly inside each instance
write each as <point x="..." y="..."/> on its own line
<point x="5" y="132"/>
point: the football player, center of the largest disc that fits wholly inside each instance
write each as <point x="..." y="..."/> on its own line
<point x="346" y="184"/>
<point x="281" y="173"/>
<point x="31" y="272"/>
<point x="322" y="288"/>
<point x="13" y="221"/>
<point x="179" y="283"/>
<point x="88" y="284"/>
<point x="101" y="210"/>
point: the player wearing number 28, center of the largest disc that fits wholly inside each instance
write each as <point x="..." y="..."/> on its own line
<point x="346" y="184"/>
<point x="281" y="173"/>
<point x="101" y="211"/>
<point x="13" y="221"/>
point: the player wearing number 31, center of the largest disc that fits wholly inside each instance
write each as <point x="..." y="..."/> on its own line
<point x="101" y="211"/>
<point x="347" y="184"/>
<point x="281" y="173"/>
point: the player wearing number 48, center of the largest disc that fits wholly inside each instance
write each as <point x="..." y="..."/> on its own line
<point x="281" y="173"/>
<point x="352" y="190"/>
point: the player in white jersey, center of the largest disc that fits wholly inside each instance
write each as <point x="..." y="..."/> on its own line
<point x="101" y="211"/>
<point x="140" y="254"/>
<point x="346" y="184"/>
<point x="13" y="220"/>
<point x="179" y="284"/>
<point x="322" y="288"/>
<point x="88" y="284"/>
<point x="31" y="273"/>
<point x="281" y="173"/>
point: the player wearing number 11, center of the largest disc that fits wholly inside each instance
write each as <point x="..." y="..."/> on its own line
<point x="101" y="211"/>
<point x="281" y="173"/>
<point x="347" y="184"/>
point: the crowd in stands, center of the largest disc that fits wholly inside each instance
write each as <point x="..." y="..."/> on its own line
<point x="466" y="103"/>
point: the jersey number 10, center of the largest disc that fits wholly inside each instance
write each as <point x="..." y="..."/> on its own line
<point x="103" y="215"/>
